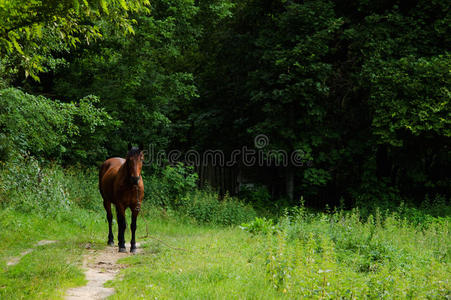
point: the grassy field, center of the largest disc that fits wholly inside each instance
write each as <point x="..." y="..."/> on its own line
<point x="48" y="270"/>
<point x="315" y="258"/>
<point x="196" y="262"/>
<point x="217" y="262"/>
<point x="400" y="254"/>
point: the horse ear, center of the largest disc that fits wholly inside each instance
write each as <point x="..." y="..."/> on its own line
<point x="129" y="146"/>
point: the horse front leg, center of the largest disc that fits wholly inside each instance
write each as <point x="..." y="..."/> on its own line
<point x="133" y="228"/>
<point x="120" y="213"/>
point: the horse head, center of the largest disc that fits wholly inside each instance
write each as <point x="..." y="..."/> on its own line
<point x="134" y="163"/>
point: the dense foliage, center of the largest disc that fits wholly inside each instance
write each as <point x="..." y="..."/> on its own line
<point x="361" y="88"/>
<point x="30" y="31"/>
<point x="70" y="194"/>
<point x="51" y="129"/>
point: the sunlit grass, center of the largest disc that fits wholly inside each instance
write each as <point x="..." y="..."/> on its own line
<point x="209" y="263"/>
<point x="323" y="256"/>
<point x="48" y="270"/>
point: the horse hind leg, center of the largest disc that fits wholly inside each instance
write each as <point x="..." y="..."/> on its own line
<point x="109" y="217"/>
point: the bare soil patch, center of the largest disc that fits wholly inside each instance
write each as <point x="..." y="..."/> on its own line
<point x="15" y="260"/>
<point x="100" y="266"/>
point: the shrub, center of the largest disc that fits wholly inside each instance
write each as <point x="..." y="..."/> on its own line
<point x="259" y="225"/>
<point x="167" y="186"/>
<point x="29" y="186"/>
<point x="204" y="207"/>
<point x="82" y="186"/>
<point x="257" y="195"/>
<point x="431" y="209"/>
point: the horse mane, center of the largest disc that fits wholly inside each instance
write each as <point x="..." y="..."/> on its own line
<point x="133" y="151"/>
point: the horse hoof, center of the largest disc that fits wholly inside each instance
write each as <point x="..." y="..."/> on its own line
<point x="133" y="250"/>
<point x="122" y="250"/>
<point x="110" y="243"/>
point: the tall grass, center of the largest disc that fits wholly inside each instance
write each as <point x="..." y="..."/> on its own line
<point x="204" y="207"/>
<point x="174" y="189"/>
<point x="342" y="255"/>
<point x="49" y="191"/>
<point x="65" y="194"/>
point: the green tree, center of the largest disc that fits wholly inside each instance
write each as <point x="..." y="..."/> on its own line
<point x="362" y="88"/>
<point x="27" y="26"/>
<point x="143" y="79"/>
<point x="65" y="132"/>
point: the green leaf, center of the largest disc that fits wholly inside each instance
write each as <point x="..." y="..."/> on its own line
<point x="104" y="6"/>
<point x="17" y="46"/>
<point x="123" y="4"/>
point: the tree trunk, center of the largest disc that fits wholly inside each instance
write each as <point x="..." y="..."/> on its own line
<point x="289" y="183"/>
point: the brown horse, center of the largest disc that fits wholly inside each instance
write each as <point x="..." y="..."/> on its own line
<point x="120" y="183"/>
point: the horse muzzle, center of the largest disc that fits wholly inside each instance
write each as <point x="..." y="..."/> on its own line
<point x="134" y="180"/>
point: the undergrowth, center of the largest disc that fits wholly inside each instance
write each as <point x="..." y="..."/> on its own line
<point x="344" y="255"/>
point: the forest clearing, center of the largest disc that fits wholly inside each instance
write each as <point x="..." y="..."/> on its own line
<point x="224" y="149"/>
<point x="351" y="254"/>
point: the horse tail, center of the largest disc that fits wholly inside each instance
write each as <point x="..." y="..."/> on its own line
<point x="103" y="168"/>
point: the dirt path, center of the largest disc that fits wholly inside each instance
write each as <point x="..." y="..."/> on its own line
<point x="15" y="260"/>
<point x="100" y="266"/>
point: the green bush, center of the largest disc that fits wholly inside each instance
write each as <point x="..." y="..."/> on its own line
<point x="165" y="187"/>
<point x="430" y="210"/>
<point x="205" y="207"/>
<point x="257" y="195"/>
<point x="259" y="225"/>
<point x="48" y="190"/>
<point x="82" y="186"/>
